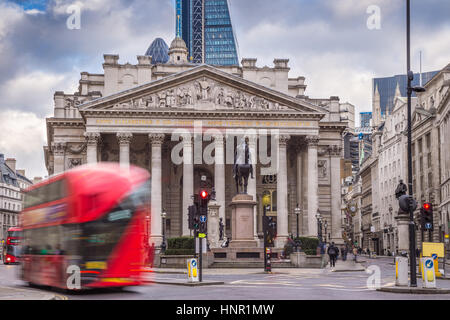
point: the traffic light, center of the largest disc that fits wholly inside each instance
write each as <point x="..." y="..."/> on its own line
<point x="192" y="211"/>
<point x="204" y="197"/>
<point x="426" y="215"/>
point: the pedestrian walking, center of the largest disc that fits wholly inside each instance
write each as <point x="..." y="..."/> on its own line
<point x="332" y="253"/>
<point x="368" y="252"/>
<point x="344" y="253"/>
<point x="355" y="253"/>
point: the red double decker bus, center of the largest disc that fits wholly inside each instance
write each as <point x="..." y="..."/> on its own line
<point x="11" y="249"/>
<point x="90" y="223"/>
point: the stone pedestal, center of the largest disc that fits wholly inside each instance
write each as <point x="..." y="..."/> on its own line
<point x="403" y="231"/>
<point x="242" y="222"/>
<point x="213" y="225"/>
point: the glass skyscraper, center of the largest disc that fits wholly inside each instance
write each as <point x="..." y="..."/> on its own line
<point x="365" y="118"/>
<point x="205" y="26"/>
<point x="387" y="86"/>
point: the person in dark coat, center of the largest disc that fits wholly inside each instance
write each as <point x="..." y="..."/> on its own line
<point x="333" y="252"/>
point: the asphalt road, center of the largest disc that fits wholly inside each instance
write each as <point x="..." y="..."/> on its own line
<point x="283" y="284"/>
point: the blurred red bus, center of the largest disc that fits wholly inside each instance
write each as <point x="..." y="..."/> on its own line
<point x="11" y="249"/>
<point x="92" y="219"/>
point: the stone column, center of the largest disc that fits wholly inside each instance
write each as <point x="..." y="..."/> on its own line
<point x="213" y="224"/>
<point x="403" y="231"/>
<point x="336" y="215"/>
<point x="251" y="188"/>
<point x="124" y="148"/>
<point x="188" y="182"/>
<point x="93" y="139"/>
<point x="313" y="185"/>
<point x="156" y="141"/>
<point x="219" y="174"/>
<point x="59" y="150"/>
<point x="299" y="191"/>
<point x="282" y="192"/>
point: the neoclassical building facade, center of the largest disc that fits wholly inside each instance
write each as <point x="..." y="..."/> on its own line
<point x="182" y="122"/>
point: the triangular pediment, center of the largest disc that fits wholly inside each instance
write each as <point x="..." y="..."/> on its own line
<point x="203" y="88"/>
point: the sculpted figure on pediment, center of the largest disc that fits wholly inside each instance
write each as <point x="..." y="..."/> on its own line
<point x="265" y="105"/>
<point x="229" y="100"/>
<point x="203" y="88"/>
<point x="150" y="102"/>
<point x="220" y="96"/>
<point x="171" y="99"/>
<point x="162" y="99"/>
<point x="139" y="103"/>
<point x="184" y="96"/>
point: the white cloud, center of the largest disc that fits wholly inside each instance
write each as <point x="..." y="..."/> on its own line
<point x="34" y="91"/>
<point x="23" y="137"/>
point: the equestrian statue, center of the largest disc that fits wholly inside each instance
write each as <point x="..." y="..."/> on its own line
<point x="242" y="167"/>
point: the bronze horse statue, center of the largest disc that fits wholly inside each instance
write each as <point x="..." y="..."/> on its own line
<point x="242" y="168"/>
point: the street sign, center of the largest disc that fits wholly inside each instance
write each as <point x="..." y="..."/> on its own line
<point x="202" y="235"/>
<point x="192" y="270"/>
<point x="428" y="273"/>
<point x="430" y="248"/>
<point x="202" y="218"/>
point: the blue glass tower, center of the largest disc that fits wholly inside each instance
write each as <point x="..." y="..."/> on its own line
<point x="365" y="118"/>
<point x="205" y="26"/>
<point x="388" y="85"/>
<point x="159" y="51"/>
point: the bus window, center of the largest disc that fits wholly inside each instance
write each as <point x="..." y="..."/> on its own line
<point x="46" y="193"/>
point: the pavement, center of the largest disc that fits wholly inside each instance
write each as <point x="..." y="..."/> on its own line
<point x="341" y="266"/>
<point x="8" y="293"/>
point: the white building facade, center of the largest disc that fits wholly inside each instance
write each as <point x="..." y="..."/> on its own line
<point x="147" y="114"/>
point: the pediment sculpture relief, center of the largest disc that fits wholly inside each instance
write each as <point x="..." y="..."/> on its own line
<point x="199" y="92"/>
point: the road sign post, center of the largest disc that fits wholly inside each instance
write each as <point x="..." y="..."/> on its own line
<point x="428" y="272"/>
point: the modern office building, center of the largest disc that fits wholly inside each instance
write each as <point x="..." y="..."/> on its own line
<point x="159" y="51"/>
<point x="365" y="119"/>
<point x="387" y="88"/>
<point x="205" y="26"/>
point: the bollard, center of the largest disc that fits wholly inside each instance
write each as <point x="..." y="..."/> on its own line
<point x="268" y="263"/>
<point x="401" y="271"/>
<point x="428" y="273"/>
<point x="192" y="270"/>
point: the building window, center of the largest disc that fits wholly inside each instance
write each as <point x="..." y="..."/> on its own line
<point x="428" y="141"/>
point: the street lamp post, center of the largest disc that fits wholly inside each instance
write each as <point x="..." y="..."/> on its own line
<point x="319" y="228"/>
<point x="297" y="211"/>
<point x="325" y="226"/>
<point x="410" y="89"/>
<point x="163" y="216"/>
<point x="265" y="235"/>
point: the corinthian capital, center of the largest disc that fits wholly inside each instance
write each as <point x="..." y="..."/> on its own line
<point x="335" y="150"/>
<point x="92" y="137"/>
<point x="124" y="137"/>
<point x="156" y="138"/>
<point x="283" y="139"/>
<point x="312" y="141"/>
<point x="59" y="148"/>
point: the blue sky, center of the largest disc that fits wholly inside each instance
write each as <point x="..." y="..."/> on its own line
<point x="327" y="41"/>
